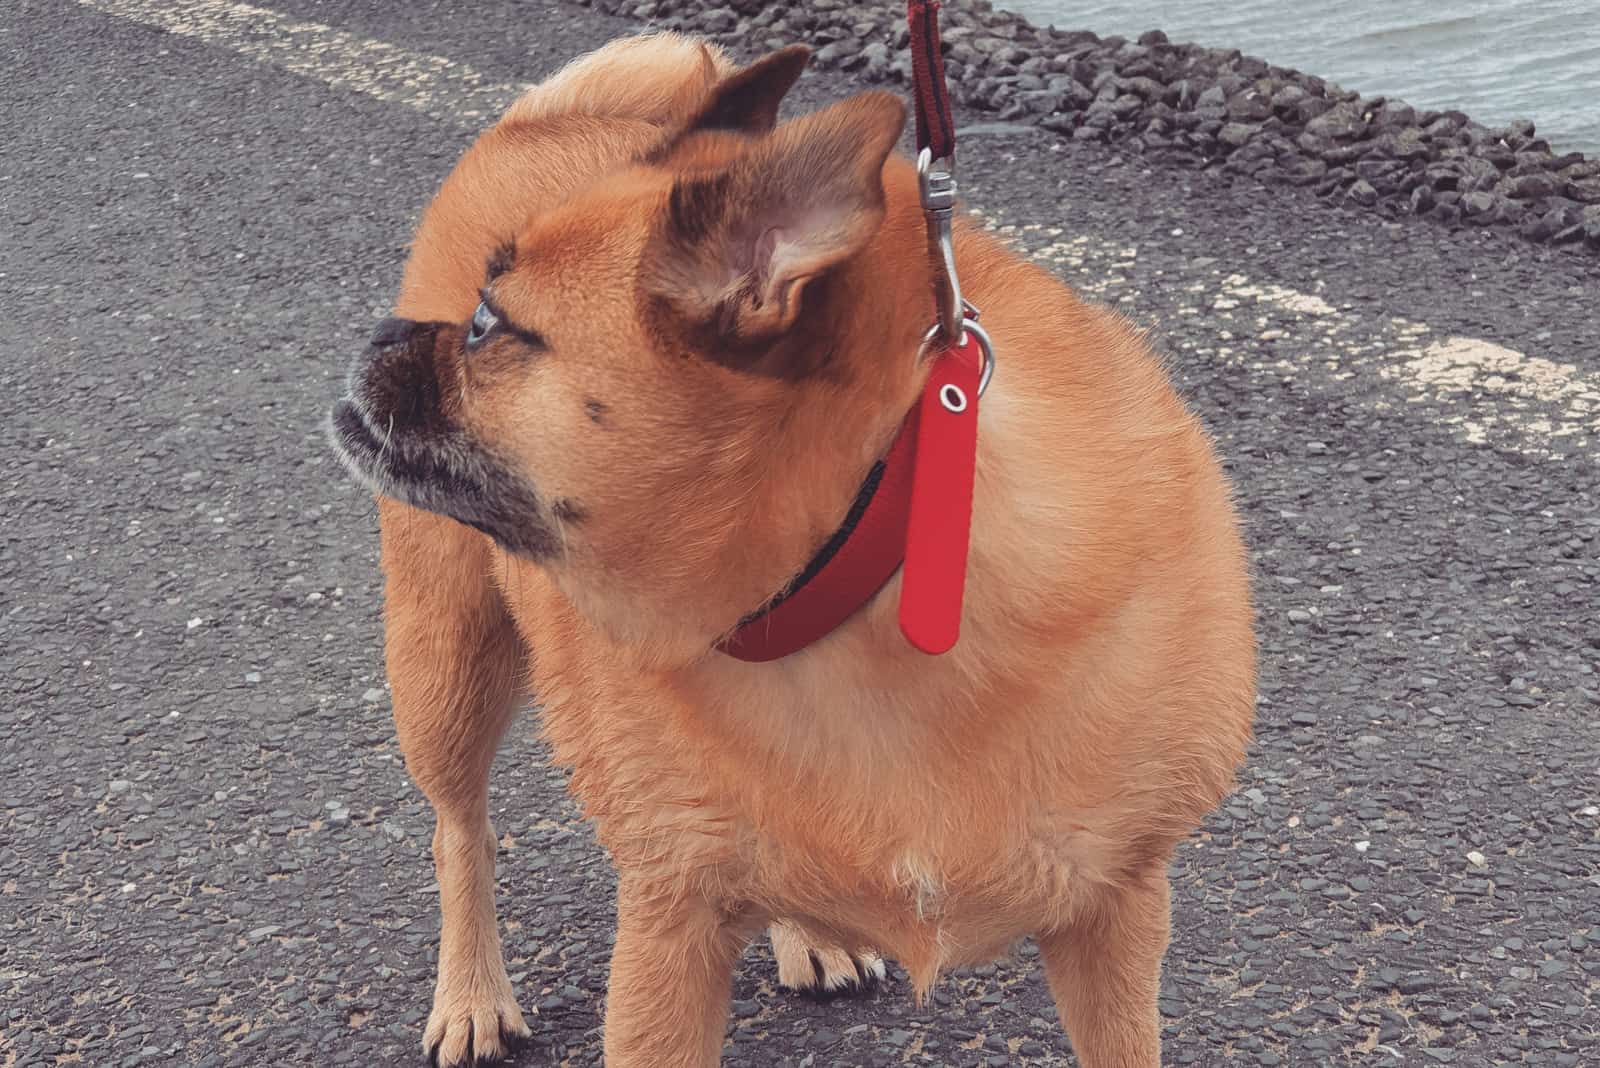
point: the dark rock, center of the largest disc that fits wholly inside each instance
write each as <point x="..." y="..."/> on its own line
<point x="1443" y="176"/>
<point x="1343" y="122"/>
<point x="719" y="20"/>
<point x="1479" y="207"/>
<point x="1249" y="106"/>
<point x="1362" y="193"/>
<point x="1586" y="190"/>
<point x="1395" y="114"/>
<point x="1304" y="171"/>
<point x="1251" y="66"/>
<point x="1538" y="227"/>
<point x="1404" y="144"/>
<point x="1530" y="186"/>
<point x="1484" y="174"/>
<point x="1372" y="168"/>
<point x="1533" y="163"/>
<point x="1236" y="134"/>
<point x="830" y="55"/>
<point x="1314" y="145"/>
<point x="1383" y="175"/>
<point x="1039" y="102"/>
<point x="1213" y="97"/>
<point x="1125" y="107"/>
<point x="879" y="63"/>
<point x="1568" y="236"/>
<point x="1076" y="96"/>
<point x="1562" y="214"/>
<point x="1500" y="155"/>
<point x="1146" y="88"/>
<point x="1082" y="70"/>
<point x="1151" y="38"/>
<point x="1421" y="199"/>
<point x="1310" y="108"/>
<point x="1519" y="130"/>
<point x="1285" y="100"/>
<point x="1340" y="154"/>
<point x="1188" y="92"/>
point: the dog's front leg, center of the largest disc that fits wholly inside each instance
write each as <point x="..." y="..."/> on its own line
<point x="454" y="661"/>
<point x="1105" y="972"/>
<point x="671" y="978"/>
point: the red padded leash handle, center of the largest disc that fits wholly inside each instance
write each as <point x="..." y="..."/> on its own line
<point x="935" y="130"/>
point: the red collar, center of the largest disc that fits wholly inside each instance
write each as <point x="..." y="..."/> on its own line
<point x="915" y="508"/>
<point x="847" y="572"/>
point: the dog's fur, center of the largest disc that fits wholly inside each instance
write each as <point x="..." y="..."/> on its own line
<point x="708" y="330"/>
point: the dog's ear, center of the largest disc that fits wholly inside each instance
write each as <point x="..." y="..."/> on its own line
<point x="736" y="249"/>
<point x="747" y="100"/>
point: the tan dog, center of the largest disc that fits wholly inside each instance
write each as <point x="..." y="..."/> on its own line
<point x="698" y="335"/>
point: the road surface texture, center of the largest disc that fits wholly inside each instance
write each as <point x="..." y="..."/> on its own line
<point x="209" y="851"/>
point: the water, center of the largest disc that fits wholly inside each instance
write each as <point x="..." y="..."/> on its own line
<point x="1493" y="59"/>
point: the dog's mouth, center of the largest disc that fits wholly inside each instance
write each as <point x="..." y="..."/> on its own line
<point x="433" y="465"/>
<point x="390" y="461"/>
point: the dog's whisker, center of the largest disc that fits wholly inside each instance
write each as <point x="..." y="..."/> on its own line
<point x="388" y="438"/>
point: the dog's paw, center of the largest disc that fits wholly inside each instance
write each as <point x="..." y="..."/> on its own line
<point x="473" y="1023"/>
<point x="820" y="969"/>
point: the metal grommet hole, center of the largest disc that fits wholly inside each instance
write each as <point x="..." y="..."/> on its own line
<point x="952" y="398"/>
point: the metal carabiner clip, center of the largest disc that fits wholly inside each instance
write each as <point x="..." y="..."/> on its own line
<point x="956" y="315"/>
<point x="938" y="189"/>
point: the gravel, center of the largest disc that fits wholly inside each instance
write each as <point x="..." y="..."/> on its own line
<point x="1195" y="106"/>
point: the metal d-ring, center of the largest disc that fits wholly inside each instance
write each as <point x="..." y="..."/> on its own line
<point x="985" y="348"/>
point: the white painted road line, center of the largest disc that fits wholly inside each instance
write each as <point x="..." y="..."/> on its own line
<point x="1517" y="400"/>
<point x="435" y="85"/>
<point x="1497" y="395"/>
<point x="1546" y="399"/>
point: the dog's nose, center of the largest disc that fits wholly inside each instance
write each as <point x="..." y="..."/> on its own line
<point x="394" y="331"/>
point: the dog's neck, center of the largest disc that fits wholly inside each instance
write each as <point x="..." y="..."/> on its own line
<point x="865" y="550"/>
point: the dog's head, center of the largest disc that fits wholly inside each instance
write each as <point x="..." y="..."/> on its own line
<point x="664" y="397"/>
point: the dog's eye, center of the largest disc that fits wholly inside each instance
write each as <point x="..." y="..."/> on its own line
<point x="483" y="321"/>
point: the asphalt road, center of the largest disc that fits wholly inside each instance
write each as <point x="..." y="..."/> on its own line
<point x="209" y="851"/>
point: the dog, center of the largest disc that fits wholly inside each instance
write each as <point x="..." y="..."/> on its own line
<point x="652" y="348"/>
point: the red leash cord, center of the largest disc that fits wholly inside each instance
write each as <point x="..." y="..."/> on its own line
<point x="935" y="132"/>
